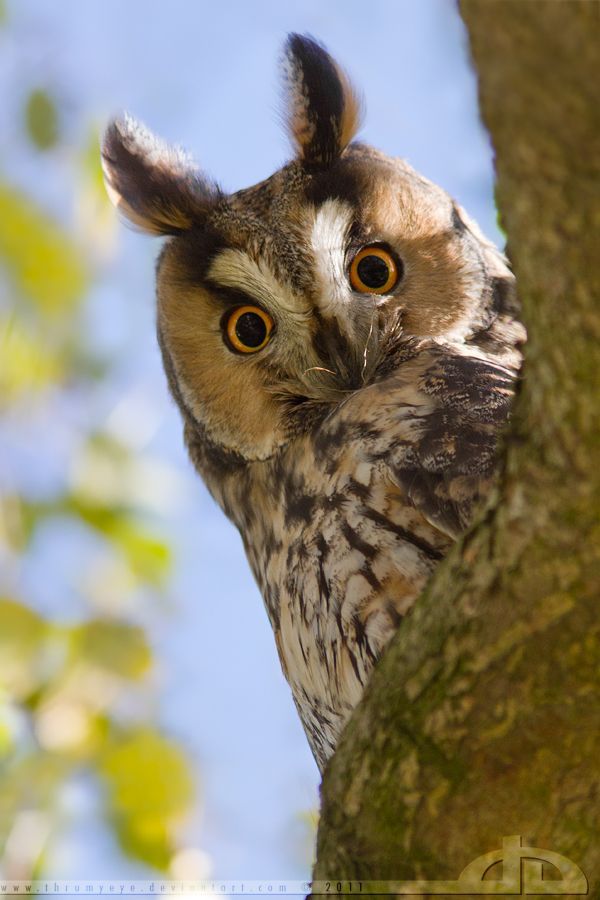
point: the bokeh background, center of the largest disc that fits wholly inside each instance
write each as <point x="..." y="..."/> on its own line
<point x="145" y="725"/>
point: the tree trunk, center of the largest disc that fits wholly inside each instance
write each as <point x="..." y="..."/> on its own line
<point x="482" y="720"/>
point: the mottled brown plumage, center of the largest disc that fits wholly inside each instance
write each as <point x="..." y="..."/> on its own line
<point x="355" y="445"/>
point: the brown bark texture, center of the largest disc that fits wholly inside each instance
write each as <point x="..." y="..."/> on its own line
<point x="483" y="717"/>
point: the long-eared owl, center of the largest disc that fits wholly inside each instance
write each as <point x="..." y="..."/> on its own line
<point x="343" y="344"/>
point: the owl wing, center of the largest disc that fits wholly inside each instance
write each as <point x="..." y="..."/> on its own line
<point x="458" y="413"/>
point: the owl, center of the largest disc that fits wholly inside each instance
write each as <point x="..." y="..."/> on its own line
<point x="343" y="344"/>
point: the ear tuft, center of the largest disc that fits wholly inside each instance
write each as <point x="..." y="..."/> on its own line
<point x="155" y="186"/>
<point x="323" y="112"/>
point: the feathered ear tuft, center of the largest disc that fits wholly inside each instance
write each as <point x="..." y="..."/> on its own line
<point x="323" y="112"/>
<point x="156" y="187"/>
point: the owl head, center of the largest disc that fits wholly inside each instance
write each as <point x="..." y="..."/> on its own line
<point x="277" y="302"/>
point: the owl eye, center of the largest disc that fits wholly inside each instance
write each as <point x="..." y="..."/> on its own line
<point x="248" y="328"/>
<point x="374" y="271"/>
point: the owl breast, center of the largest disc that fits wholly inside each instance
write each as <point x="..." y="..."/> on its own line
<point x="342" y="528"/>
<point x="353" y="560"/>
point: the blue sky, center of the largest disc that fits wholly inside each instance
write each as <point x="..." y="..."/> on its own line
<point x="204" y="75"/>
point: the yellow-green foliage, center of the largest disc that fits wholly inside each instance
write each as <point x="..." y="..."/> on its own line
<point x="68" y="689"/>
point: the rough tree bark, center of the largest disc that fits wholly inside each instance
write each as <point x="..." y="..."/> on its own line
<point x="483" y="718"/>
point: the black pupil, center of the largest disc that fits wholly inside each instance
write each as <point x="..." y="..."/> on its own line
<point x="251" y="329"/>
<point x="373" y="271"/>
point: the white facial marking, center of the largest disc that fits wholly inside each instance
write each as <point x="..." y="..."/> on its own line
<point x="328" y="240"/>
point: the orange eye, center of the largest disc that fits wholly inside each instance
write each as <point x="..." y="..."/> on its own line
<point x="374" y="271"/>
<point x="248" y="329"/>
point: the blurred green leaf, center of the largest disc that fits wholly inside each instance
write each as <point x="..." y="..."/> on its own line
<point x="41" y="119"/>
<point x="29" y="362"/>
<point x="150" y="788"/>
<point x="21" y="635"/>
<point x="116" y="646"/>
<point x="94" y="210"/>
<point x="6" y="736"/>
<point x="91" y="162"/>
<point x="147" y="554"/>
<point x="30" y="780"/>
<point x="20" y="627"/>
<point x="43" y="263"/>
